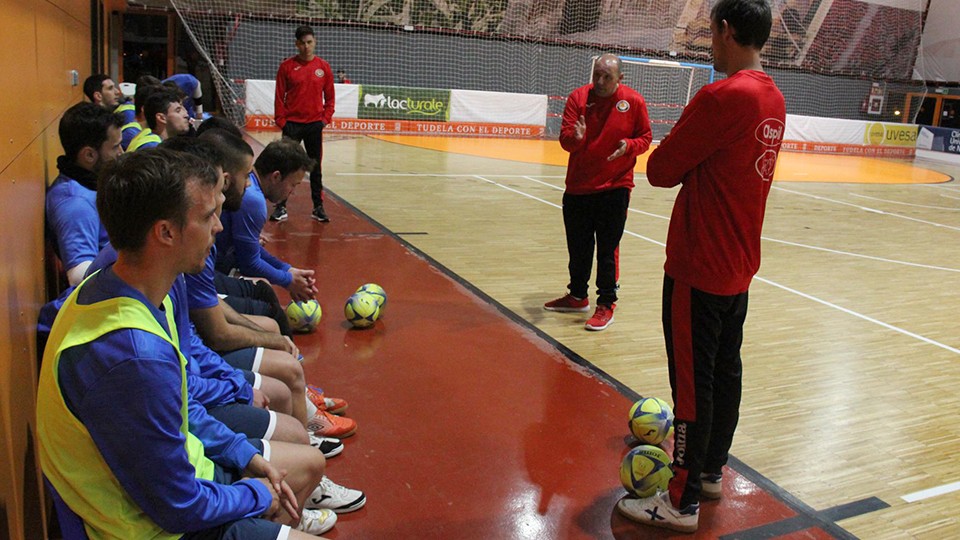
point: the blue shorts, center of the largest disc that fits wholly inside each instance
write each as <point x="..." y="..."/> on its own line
<point x="248" y="359"/>
<point x="253" y="379"/>
<point x="246" y="419"/>
<point x="243" y="529"/>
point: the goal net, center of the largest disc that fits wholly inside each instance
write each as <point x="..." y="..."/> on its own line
<point x="666" y="86"/>
<point x="825" y="55"/>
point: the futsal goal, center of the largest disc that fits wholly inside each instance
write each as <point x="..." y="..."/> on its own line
<point x="665" y="85"/>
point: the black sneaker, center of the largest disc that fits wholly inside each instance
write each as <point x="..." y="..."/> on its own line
<point x="328" y="445"/>
<point x="279" y="213"/>
<point x="319" y="215"/>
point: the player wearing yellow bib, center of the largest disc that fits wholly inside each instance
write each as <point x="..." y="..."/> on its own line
<point x="120" y="440"/>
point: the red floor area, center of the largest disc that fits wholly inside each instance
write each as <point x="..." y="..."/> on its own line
<point x="470" y="424"/>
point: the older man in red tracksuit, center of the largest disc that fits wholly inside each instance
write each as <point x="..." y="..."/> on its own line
<point x="303" y="106"/>
<point x="605" y="127"/>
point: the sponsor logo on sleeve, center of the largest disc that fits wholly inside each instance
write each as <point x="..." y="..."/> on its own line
<point x="770" y="132"/>
<point x="766" y="164"/>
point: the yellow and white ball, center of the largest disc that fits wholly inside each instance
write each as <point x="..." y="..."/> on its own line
<point x="361" y="310"/>
<point x="304" y="316"/>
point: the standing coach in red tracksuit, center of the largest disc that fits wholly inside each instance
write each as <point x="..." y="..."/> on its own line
<point x="605" y="127"/>
<point x="302" y="107"/>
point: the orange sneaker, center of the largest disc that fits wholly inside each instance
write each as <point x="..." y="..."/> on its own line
<point x="324" y="403"/>
<point x="602" y="317"/>
<point x="325" y="424"/>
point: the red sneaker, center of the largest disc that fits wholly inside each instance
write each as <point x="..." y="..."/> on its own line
<point x="324" y="403"/>
<point x="325" y="424"/>
<point x="568" y="304"/>
<point x="602" y="318"/>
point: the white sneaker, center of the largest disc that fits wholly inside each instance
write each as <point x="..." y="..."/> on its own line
<point x="711" y="486"/>
<point x="328" y="445"/>
<point x="316" y="522"/>
<point x="658" y="511"/>
<point x="335" y="497"/>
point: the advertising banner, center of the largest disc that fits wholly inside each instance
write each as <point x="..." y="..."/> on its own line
<point x="497" y="107"/>
<point x="402" y="103"/>
<point x="885" y="134"/>
<point x="939" y="139"/>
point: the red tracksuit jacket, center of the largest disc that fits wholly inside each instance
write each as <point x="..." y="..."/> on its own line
<point x="304" y="92"/>
<point x="723" y="152"/>
<point x="620" y="116"/>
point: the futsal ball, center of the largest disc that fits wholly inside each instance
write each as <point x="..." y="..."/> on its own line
<point x="303" y="316"/>
<point x="361" y="310"/>
<point x="377" y="292"/>
<point x="651" y="420"/>
<point x="645" y="470"/>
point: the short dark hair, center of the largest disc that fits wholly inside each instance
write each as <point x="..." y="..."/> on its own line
<point x="140" y="188"/>
<point x="284" y="155"/>
<point x="751" y="20"/>
<point x="158" y="102"/>
<point x="94" y="83"/>
<point x="205" y="150"/>
<point x="148" y="80"/>
<point x="304" y="31"/>
<point x="235" y="150"/>
<point x="143" y="92"/>
<point x="219" y="122"/>
<point x="85" y="124"/>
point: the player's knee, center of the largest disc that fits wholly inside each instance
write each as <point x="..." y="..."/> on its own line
<point x="287" y="368"/>
<point x="294" y="371"/>
<point x="289" y="429"/>
<point x="317" y="466"/>
<point x="279" y="393"/>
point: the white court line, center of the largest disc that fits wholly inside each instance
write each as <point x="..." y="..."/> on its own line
<point x="904" y="203"/>
<point x="861" y="316"/>
<point x="859" y="255"/>
<point x="888" y="326"/>
<point x="634" y="210"/>
<point x="952" y="187"/>
<point x="868" y="209"/>
<point x="932" y="492"/>
<point x="517" y="191"/>
<point x="767" y="238"/>
<point x="949" y="197"/>
<point x="548" y="184"/>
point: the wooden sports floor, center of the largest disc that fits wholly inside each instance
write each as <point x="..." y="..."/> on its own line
<point x="483" y="416"/>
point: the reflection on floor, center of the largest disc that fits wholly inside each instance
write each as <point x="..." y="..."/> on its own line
<point x="472" y="424"/>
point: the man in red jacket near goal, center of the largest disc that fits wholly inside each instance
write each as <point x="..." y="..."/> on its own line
<point x="605" y="127"/>
<point x="722" y="153"/>
<point x="303" y="106"/>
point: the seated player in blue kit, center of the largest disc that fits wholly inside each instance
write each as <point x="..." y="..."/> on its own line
<point x="277" y="171"/>
<point x="121" y="442"/>
<point x="90" y="136"/>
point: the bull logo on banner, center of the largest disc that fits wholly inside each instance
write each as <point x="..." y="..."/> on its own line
<point x="377" y="100"/>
